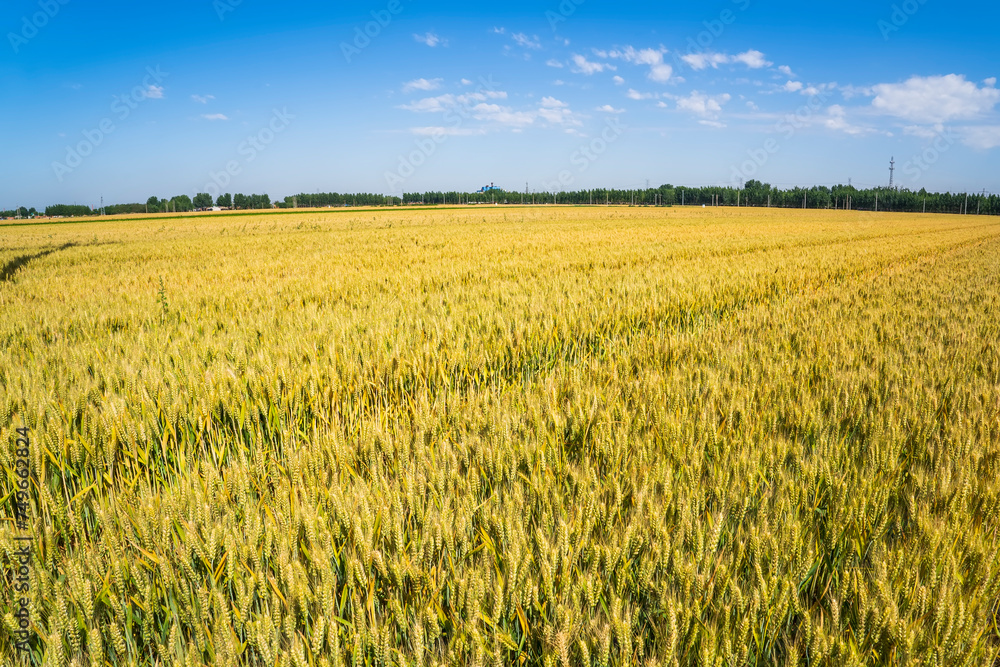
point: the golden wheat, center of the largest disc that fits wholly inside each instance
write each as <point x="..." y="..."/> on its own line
<point x="517" y="436"/>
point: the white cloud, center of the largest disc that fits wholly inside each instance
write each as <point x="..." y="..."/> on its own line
<point x="700" y="61"/>
<point x="154" y="92"/>
<point x="792" y="87"/>
<point x="448" y="131"/>
<point x="713" y="123"/>
<point x="837" y="120"/>
<point x="850" y="92"/>
<point x="202" y="99"/>
<point x="753" y="59"/>
<point x="618" y="81"/>
<point x="422" y="84"/>
<point x="555" y="63"/>
<point x="634" y="94"/>
<point x="707" y="106"/>
<point x="526" y="42"/>
<point x="466" y="82"/>
<point x="556" y="112"/>
<point x="983" y="137"/>
<point x="430" y="39"/>
<point x="607" y="108"/>
<point x="653" y="58"/>
<point x="215" y="116"/>
<point x="500" y="31"/>
<point x="752" y="106"/>
<point x="482" y="107"/>
<point x="584" y="66"/>
<point x="935" y="99"/>
<point x="499" y="115"/>
<point x="447" y="102"/>
<point x="661" y="73"/>
<point x="992" y="81"/>
<point x="787" y="71"/>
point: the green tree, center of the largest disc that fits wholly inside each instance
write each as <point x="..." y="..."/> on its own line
<point x="224" y="201"/>
<point x="203" y="200"/>
<point x="181" y="203"/>
<point x="153" y="204"/>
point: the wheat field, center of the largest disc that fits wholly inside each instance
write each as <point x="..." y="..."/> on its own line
<point x="506" y="436"/>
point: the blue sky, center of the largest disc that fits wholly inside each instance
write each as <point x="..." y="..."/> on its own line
<point x="126" y="100"/>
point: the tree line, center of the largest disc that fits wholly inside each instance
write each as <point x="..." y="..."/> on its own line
<point x="21" y="212"/>
<point x="336" y="199"/>
<point x="754" y="193"/>
<point x="177" y="204"/>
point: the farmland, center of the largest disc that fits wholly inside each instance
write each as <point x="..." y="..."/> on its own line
<point x="541" y="436"/>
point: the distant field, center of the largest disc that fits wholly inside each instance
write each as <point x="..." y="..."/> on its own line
<point x="552" y="436"/>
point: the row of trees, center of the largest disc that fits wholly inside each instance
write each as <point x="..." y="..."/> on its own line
<point x="326" y="199"/>
<point x="239" y="201"/>
<point x="203" y="200"/>
<point x="21" y="212"/>
<point x="754" y="193"/>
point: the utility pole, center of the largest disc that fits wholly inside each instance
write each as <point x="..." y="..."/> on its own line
<point x="966" y="203"/>
<point x="876" y="202"/>
<point x="925" y="204"/>
<point x="892" y="172"/>
<point x="682" y="197"/>
<point x="769" y="201"/>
